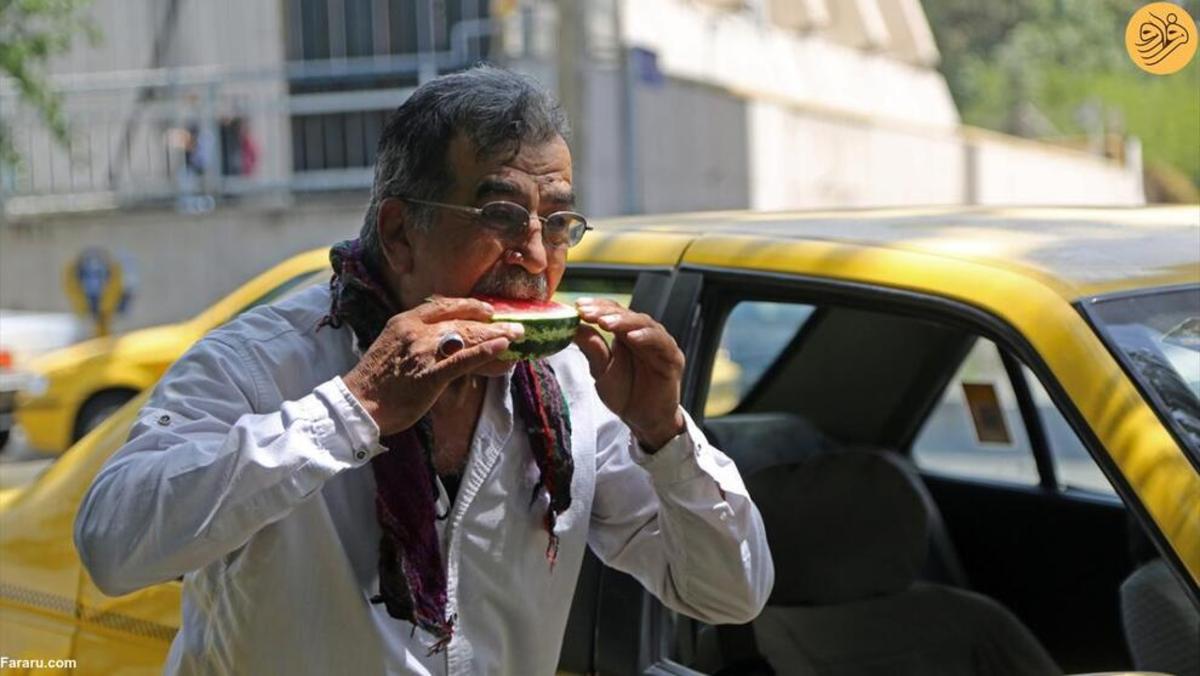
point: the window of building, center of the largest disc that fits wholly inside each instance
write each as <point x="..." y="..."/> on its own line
<point x="387" y="30"/>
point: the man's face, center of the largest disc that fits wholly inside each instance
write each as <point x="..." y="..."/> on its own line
<point x="459" y="256"/>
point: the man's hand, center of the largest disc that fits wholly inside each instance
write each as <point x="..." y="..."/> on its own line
<point x="639" y="377"/>
<point x="401" y="375"/>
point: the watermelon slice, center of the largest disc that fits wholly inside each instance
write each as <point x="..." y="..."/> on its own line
<point x="549" y="326"/>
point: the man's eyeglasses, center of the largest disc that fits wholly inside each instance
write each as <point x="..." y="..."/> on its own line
<point x="559" y="229"/>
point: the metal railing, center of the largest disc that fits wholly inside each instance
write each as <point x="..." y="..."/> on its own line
<point x="197" y="135"/>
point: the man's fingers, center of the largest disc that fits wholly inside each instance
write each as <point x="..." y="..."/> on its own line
<point x="474" y="333"/>
<point x="439" y="309"/>
<point x="654" y="345"/>
<point x="591" y="309"/>
<point x="470" y="358"/>
<point x="611" y="316"/>
<point x="644" y="336"/>
<point x="624" y="322"/>
<point x="592" y="344"/>
<point x="429" y="337"/>
<point x="621" y="321"/>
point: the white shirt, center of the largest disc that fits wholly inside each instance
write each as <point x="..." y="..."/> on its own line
<point x="248" y="474"/>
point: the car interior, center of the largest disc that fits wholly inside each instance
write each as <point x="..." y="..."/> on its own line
<point x="850" y="600"/>
<point x="902" y="544"/>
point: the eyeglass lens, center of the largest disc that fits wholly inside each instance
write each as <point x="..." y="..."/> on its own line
<point x="562" y="228"/>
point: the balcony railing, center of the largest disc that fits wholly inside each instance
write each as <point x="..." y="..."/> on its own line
<point x="195" y="136"/>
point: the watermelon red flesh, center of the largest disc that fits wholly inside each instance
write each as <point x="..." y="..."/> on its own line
<point x="549" y="326"/>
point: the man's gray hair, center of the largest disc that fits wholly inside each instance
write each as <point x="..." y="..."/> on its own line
<point x="496" y="109"/>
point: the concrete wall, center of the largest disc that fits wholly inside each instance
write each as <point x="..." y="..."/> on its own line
<point x="700" y="147"/>
<point x="692" y="142"/>
<point x="805" y="157"/>
<point x="185" y="262"/>
<point x="1007" y="170"/>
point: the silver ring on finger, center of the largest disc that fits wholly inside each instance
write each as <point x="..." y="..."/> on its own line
<point x="449" y="343"/>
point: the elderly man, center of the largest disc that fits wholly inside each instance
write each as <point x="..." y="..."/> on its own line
<point x="351" y="481"/>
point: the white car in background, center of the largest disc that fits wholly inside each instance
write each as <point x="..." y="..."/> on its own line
<point x="23" y="336"/>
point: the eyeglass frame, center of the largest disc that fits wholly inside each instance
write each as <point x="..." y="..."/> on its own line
<point x="477" y="212"/>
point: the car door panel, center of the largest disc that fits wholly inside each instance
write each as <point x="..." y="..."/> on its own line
<point x="1013" y="542"/>
<point x="606" y="619"/>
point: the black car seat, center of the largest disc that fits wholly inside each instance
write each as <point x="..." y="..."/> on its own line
<point x="1162" y="627"/>
<point x="757" y="441"/>
<point x="849" y="533"/>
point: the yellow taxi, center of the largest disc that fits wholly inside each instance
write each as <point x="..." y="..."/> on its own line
<point x="973" y="434"/>
<point x="70" y="391"/>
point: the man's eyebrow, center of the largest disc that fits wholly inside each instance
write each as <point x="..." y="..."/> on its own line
<point x="497" y="186"/>
<point x="562" y="197"/>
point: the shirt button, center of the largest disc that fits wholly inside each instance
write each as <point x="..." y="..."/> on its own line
<point x="164" y="420"/>
<point x="360" y="455"/>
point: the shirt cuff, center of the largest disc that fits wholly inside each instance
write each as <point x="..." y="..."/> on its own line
<point x="677" y="460"/>
<point x="353" y="437"/>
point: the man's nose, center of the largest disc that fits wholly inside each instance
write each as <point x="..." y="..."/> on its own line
<point x="534" y="257"/>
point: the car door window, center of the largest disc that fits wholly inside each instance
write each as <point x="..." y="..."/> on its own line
<point x="976" y="430"/>
<point x="574" y="287"/>
<point x="754" y="335"/>
<point x="1073" y="466"/>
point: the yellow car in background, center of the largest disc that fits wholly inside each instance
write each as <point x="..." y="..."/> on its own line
<point x="74" y="389"/>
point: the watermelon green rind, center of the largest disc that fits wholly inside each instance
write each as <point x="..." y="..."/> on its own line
<point x="549" y="326"/>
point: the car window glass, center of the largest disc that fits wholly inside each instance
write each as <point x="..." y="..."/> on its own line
<point x="1073" y="466"/>
<point x="1157" y="335"/>
<point x="754" y="335"/>
<point x="572" y="288"/>
<point x="976" y="429"/>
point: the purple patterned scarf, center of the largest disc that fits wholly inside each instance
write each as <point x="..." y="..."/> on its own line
<point x="412" y="579"/>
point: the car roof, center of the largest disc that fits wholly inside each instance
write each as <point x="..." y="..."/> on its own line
<point x="1078" y="251"/>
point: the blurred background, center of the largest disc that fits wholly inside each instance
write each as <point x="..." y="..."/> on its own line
<point x="194" y="143"/>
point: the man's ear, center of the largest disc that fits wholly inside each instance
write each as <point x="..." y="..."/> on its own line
<point x="394" y="241"/>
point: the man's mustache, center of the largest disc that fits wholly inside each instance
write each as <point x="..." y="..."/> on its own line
<point x="513" y="282"/>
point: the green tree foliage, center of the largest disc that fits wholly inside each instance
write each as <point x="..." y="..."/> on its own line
<point x="1058" y="68"/>
<point x="31" y="33"/>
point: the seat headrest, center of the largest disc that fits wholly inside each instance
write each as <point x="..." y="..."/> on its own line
<point x="756" y="441"/>
<point x="842" y="526"/>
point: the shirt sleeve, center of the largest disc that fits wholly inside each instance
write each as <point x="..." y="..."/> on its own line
<point x="202" y="471"/>
<point x="681" y="521"/>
